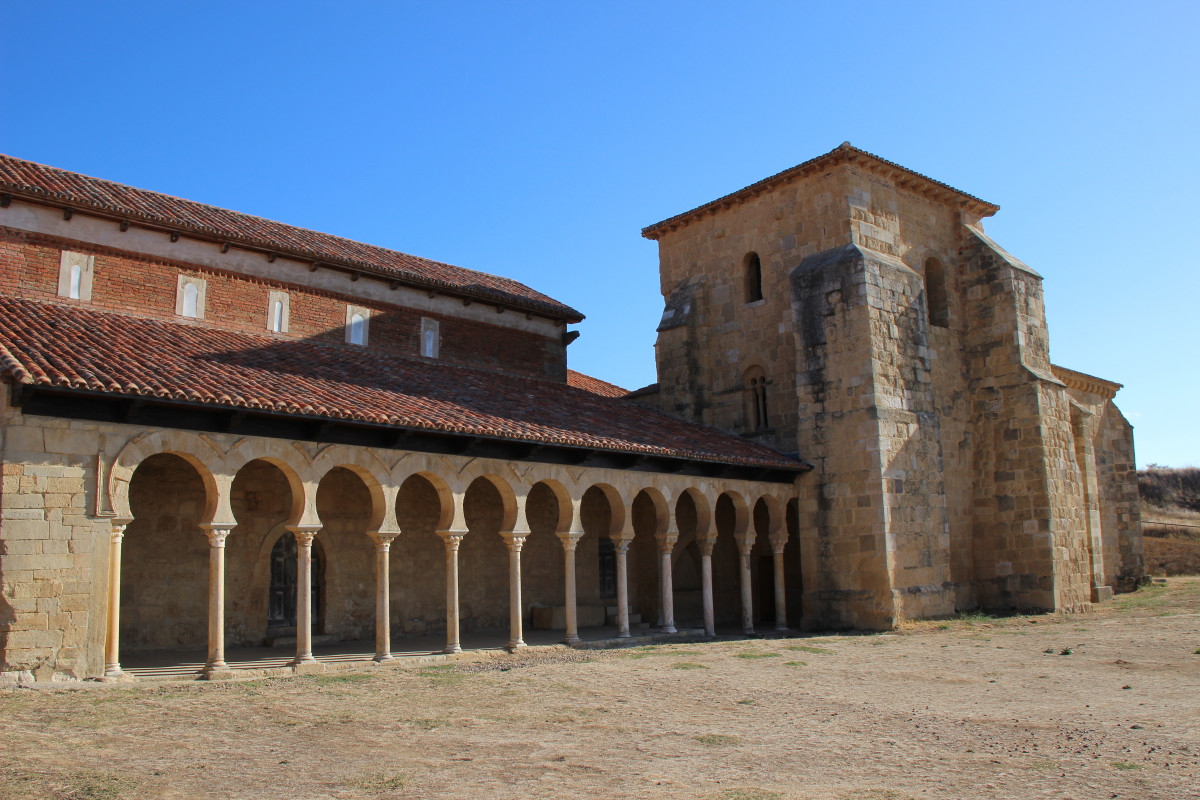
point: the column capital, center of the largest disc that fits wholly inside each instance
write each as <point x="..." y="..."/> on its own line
<point x="706" y="545"/>
<point x="569" y="539"/>
<point x="778" y="542"/>
<point x="515" y="540"/>
<point x="666" y="541"/>
<point x="304" y="533"/>
<point x="452" y="538"/>
<point x="745" y="542"/>
<point x="383" y="539"/>
<point x="216" y="534"/>
<point x="621" y="545"/>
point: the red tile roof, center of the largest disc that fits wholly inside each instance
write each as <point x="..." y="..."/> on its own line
<point x="53" y="345"/>
<point x="594" y="385"/>
<point x="81" y="192"/>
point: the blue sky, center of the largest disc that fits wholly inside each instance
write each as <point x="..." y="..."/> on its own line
<point x="536" y="140"/>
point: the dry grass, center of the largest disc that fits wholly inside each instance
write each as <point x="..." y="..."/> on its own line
<point x="978" y="709"/>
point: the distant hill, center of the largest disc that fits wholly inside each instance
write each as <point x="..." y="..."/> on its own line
<point x="1171" y="519"/>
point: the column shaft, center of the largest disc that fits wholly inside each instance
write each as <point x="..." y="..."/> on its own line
<point x="780" y="594"/>
<point x="706" y="591"/>
<point x="570" y="542"/>
<point x="383" y="596"/>
<point x="516" y="637"/>
<point x="216" y="599"/>
<point x="668" y="589"/>
<point x="112" y="644"/>
<point x="453" y="540"/>
<point x="621" y="546"/>
<point x="747" y="594"/>
<point x="304" y="539"/>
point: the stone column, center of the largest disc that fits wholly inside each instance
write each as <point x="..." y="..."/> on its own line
<point x="777" y="546"/>
<point x="570" y="541"/>
<point x="515" y="541"/>
<point x="216" y="599"/>
<point x="304" y="538"/>
<point x="666" y="545"/>
<point x="112" y="644"/>
<point x="745" y="546"/>
<point x="452" y="539"/>
<point x="383" y="595"/>
<point x="706" y="586"/>
<point x="621" y="548"/>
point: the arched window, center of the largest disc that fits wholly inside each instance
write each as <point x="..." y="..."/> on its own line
<point x="430" y="337"/>
<point x="752" y="270"/>
<point x="191" y="299"/>
<point x="357" y="329"/>
<point x="755" y="385"/>
<point x="76" y="282"/>
<point x="935" y="293"/>
<point x="277" y="316"/>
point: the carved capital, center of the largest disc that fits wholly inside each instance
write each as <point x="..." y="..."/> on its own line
<point x="745" y="543"/>
<point x="706" y="545"/>
<point x="621" y="546"/>
<point x="216" y="536"/>
<point x="452" y="538"/>
<point x="383" y="540"/>
<point x="570" y="539"/>
<point x="304" y="534"/>
<point x="778" y="543"/>
<point x="666" y="541"/>
<point x="514" y="539"/>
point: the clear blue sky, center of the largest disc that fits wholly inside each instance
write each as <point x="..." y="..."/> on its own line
<point x="536" y="140"/>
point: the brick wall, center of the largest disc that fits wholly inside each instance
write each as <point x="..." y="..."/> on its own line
<point x="125" y="282"/>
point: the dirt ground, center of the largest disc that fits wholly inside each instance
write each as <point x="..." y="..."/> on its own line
<point x="1103" y="705"/>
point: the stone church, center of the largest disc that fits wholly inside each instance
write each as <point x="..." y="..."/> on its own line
<point x="221" y="431"/>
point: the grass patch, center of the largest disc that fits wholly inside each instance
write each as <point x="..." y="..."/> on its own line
<point x="746" y="702"/>
<point x="808" y="648"/>
<point x="688" y="665"/>
<point x="341" y="679"/>
<point x="1125" y="765"/>
<point x="751" y="654"/>
<point x="795" y="663"/>
<point x="717" y="739"/>
<point x="378" y="783"/>
<point x="443" y="674"/>
<point x="749" y="793"/>
<point x="427" y="724"/>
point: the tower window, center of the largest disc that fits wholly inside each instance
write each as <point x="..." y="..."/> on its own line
<point x="755" y="383"/>
<point x="935" y="293"/>
<point x="752" y="270"/>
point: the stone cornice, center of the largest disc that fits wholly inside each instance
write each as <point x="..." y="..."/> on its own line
<point x="845" y="153"/>
<point x="1083" y="382"/>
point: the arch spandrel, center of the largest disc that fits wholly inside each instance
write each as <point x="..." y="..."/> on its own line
<point x="197" y="450"/>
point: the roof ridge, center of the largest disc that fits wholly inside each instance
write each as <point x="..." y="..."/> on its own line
<point x="472" y="282"/>
<point x="843" y="150"/>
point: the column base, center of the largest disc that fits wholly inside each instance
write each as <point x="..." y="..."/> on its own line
<point x="512" y="647"/>
<point x="624" y="635"/>
<point x="782" y="629"/>
<point x="312" y="667"/>
<point x="113" y="671"/>
<point x="380" y="658"/>
<point x="1102" y="594"/>
<point x="215" y="673"/>
<point x="451" y="649"/>
<point x="572" y="640"/>
<point x="669" y="629"/>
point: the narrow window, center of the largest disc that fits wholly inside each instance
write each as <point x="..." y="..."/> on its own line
<point x="358" y="325"/>
<point x="191" y="300"/>
<point x="430" y="337"/>
<point x="75" y="275"/>
<point x="608" y="568"/>
<point x="277" y="312"/>
<point x="755" y="388"/>
<point x="189" y="297"/>
<point x="752" y="269"/>
<point x="935" y="293"/>
<point x="277" y="316"/>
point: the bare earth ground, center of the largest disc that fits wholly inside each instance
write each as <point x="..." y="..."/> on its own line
<point x="1104" y="705"/>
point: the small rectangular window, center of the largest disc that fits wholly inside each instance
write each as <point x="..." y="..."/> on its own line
<point x="75" y="275"/>
<point x="431" y="339"/>
<point x="358" y="324"/>
<point x="189" y="297"/>
<point x="277" y="312"/>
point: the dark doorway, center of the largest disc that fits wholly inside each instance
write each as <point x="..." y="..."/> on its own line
<point x="281" y="598"/>
<point x="766" y="588"/>
<point x="608" y="568"/>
